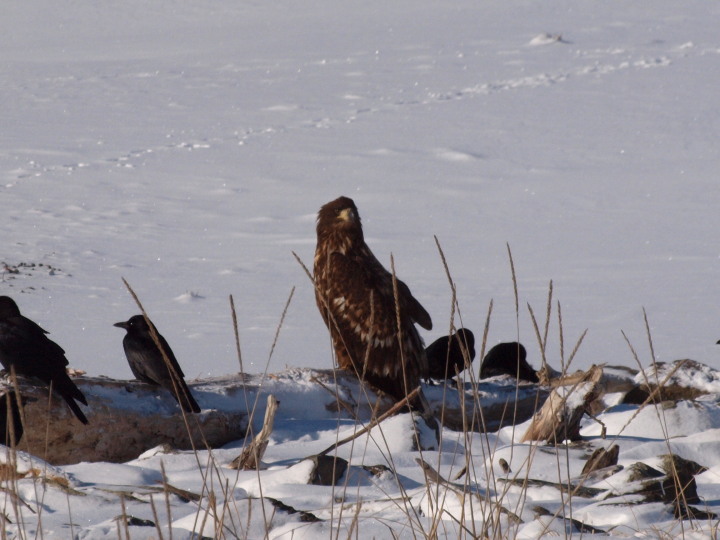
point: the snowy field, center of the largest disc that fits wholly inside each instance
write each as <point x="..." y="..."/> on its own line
<point x="187" y="146"/>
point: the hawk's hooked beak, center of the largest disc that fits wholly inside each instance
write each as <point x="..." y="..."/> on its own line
<point x="347" y="214"/>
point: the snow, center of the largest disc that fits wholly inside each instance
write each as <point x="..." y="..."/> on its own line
<point x="686" y="373"/>
<point x="187" y="147"/>
<point x="383" y="488"/>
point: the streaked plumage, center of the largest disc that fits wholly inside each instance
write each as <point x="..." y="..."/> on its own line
<point x="356" y="298"/>
<point x="147" y="362"/>
<point x="25" y="345"/>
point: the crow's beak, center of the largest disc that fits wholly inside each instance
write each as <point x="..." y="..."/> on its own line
<point x="121" y="325"/>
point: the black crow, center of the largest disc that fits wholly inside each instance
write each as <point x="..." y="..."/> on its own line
<point x="444" y="354"/>
<point x="24" y="346"/>
<point x="508" y="359"/>
<point x="147" y="362"/>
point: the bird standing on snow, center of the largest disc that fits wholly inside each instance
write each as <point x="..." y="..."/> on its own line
<point x="25" y="346"/>
<point x="448" y="354"/>
<point x="356" y="298"/>
<point x="147" y="362"/>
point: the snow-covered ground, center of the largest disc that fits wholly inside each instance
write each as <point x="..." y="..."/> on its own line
<point x="385" y="492"/>
<point x="187" y="146"/>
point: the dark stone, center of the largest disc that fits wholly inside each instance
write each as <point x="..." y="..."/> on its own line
<point x="671" y="462"/>
<point x="601" y="458"/>
<point x="679" y="485"/>
<point x="377" y="470"/>
<point x="640" y="394"/>
<point x="327" y="470"/>
<point x="642" y="471"/>
<point x="305" y="517"/>
<point x="133" y="521"/>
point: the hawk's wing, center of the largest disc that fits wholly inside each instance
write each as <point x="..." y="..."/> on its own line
<point x="362" y="318"/>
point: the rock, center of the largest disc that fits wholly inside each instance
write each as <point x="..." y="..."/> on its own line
<point x="327" y="470"/>
<point x="679" y="485"/>
<point x="601" y="458"/>
<point x="676" y="488"/>
<point x="672" y="462"/>
<point x="679" y="380"/>
<point x="128" y="418"/>
<point x="642" y="471"/>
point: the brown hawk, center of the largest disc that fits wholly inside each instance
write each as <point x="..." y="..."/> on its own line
<point x="372" y="335"/>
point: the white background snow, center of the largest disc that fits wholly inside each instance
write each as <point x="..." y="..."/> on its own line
<point x="187" y="147"/>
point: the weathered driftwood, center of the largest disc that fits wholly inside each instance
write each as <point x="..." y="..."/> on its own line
<point x="128" y="418"/>
<point x="559" y="418"/>
<point x="576" y="490"/>
<point x="252" y="454"/>
<point x="486" y="406"/>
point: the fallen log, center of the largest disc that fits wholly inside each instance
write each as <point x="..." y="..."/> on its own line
<point x="127" y="418"/>
<point x="485" y="406"/>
